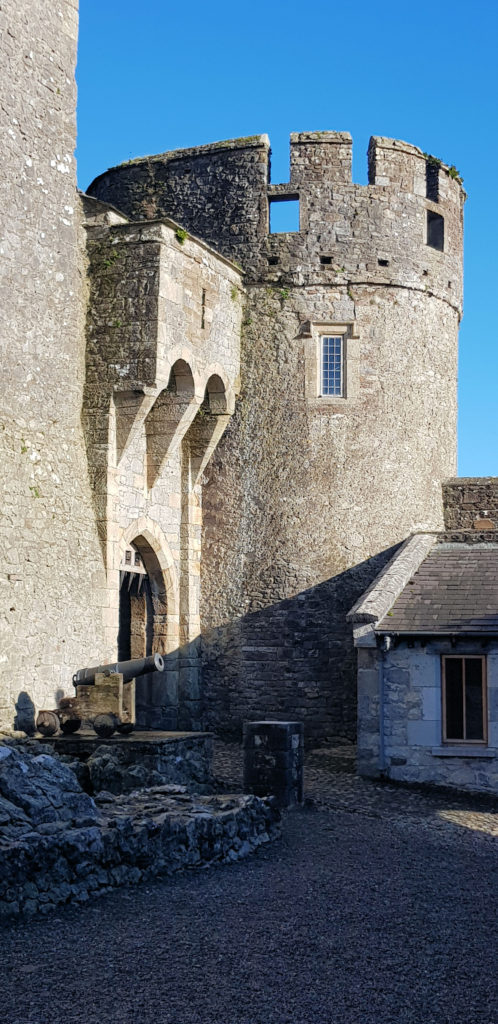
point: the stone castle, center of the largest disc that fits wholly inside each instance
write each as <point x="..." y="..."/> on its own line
<point x="213" y="436"/>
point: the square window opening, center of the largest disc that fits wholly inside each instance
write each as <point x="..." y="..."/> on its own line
<point x="331" y="366"/>
<point x="464" y="699"/>
<point x="284" y="215"/>
<point x="435" y="230"/>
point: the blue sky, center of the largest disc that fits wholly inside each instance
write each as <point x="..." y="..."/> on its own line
<point x="157" y="76"/>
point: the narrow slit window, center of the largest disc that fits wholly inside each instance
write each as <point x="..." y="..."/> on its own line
<point x="331" y="368"/>
<point x="284" y="215"/>
<point x="432" y="181"/>
<point x="464" y="699"/>
<point x="435" y="230"/>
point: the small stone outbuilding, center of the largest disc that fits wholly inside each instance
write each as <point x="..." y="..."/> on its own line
<point x="426" y="634"/>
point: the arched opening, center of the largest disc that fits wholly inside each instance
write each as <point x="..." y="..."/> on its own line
<point x="136" y="611"/>
<point x="208" y="426"/>
<point x="143" y="630"/>
<point x="163" y="426"/>
<point x="216" y="395"/>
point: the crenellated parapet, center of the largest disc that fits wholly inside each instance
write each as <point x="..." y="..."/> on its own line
<point x="404" y="228"/>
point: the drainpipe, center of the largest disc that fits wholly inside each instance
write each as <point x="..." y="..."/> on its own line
<point x="386" y="644"/>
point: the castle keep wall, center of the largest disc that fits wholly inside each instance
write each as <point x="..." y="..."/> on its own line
<point x="162" y="373"/>
<point x="106" y="429"/>
<point x="307" y="496"/>
<point x="51" y="559"/>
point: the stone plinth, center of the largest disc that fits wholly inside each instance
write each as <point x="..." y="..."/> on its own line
<point x="273" y="760"/>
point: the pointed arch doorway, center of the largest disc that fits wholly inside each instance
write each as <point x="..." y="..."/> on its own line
<point x="136" y="612"/>
<point x="143" y="630"/>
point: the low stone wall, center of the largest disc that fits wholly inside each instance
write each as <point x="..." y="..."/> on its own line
<point x="122" y="764"/>
<point x="58" y="845"/>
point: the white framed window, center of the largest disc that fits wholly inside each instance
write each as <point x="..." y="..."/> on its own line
<point x="332" y="354"/>
<point x="331" y="358"/>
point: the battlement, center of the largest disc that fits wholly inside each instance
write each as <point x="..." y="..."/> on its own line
<point x="404" y="228"/>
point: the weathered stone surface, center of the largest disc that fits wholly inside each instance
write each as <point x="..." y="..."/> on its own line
<point x="48" y="533"/>
<point x="306" y="498"/>
<point x="77" y="488"/>
<point x="44" y="788"/>
<point x="81" y="847"/>
<point x="273" y="760"/>
<point x="471" y="503"/>
<point x="142" y="759"/>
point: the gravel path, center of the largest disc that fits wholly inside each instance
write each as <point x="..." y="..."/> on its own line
<point x="377" y="907"/>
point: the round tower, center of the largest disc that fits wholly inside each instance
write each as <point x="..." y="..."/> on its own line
<point x="346" y="422"/>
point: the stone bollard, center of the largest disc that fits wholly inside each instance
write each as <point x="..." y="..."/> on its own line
<point x="273" y="760"/>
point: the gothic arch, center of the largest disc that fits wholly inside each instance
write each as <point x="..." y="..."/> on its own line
<point x="154" y="549"/>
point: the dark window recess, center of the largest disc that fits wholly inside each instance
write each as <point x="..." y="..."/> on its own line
<point x="203" y="309"/>
<point x="464" y="700"/>
<point x="326" y="260"/>
<point x="273" y="261"/>
<point x="284" y="215"/>
<point x="383" y="263"/>
<point x="432" y="182"/>
<point x="435" y="230"/>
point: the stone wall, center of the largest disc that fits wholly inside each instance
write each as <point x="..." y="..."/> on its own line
<point x="412" y="720"/>
<point x="104" y="438"/>
<point x="58" y="845"/>
<point x="471" y="503"/>
<point x="51" y="558"/>
<point x="307" y="497"/>
<point x="162" y="372"/>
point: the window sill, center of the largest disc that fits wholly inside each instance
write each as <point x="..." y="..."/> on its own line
<point x="464" y="751"/>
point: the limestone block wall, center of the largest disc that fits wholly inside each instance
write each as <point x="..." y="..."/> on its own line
<point x="412" y="717"/>
<point x="52" y="565"/>
<point x="163" y="361"/>
<point x="307" y="497"/>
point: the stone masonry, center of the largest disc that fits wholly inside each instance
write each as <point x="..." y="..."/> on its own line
<point x="121" y="351"/>
<point x="307" y="497"/>
<point x="59" y="845"/>
<point x="48" y="532"/>
<point x="173" y="478"/>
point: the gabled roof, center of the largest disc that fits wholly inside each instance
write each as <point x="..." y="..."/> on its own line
<point x="453" y="591"/>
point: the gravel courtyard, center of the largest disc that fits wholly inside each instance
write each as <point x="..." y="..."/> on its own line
<point x="379" y="906"/>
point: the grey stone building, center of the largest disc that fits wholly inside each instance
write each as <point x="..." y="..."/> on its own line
<point x="426" y="634"/>
<point x="214" y="434"/>
<point x="345" y="425"/>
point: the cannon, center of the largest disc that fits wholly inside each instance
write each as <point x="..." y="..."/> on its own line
<point x="128" y="669"/>
<point x="105" y="696"/>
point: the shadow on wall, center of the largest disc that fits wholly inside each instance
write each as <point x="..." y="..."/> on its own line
<point x="291" y="659"/>
<point x="171" y="700"/>
<point x="24" y="720"/>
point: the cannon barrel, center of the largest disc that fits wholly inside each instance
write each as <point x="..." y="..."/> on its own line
<point x="128" y="669"/>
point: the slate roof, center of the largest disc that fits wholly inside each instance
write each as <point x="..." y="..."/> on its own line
<point x="454" y="591"/>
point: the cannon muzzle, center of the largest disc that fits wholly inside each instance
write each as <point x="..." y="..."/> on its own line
<point x="128" y="669"/>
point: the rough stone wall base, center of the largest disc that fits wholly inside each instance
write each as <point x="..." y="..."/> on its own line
<point x="148" y="834"/>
